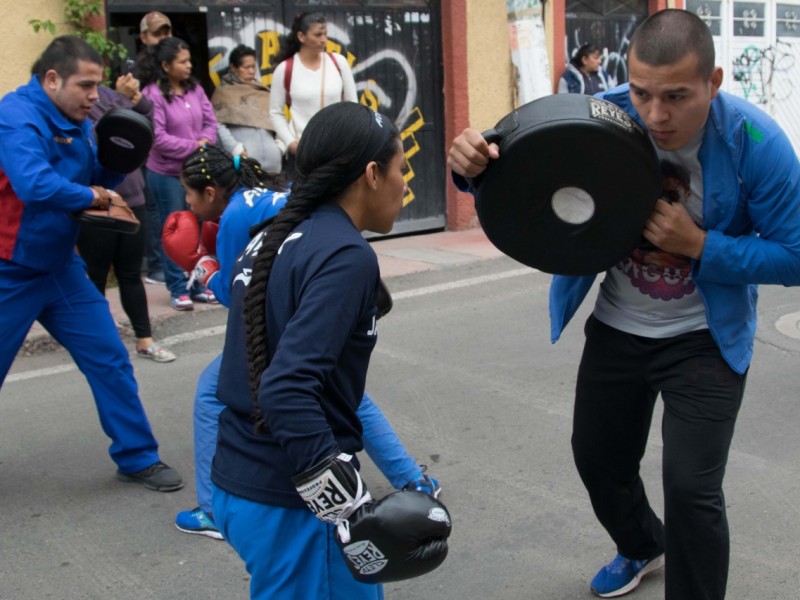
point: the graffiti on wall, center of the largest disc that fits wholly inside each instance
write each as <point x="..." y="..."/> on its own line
<point x="755" y="69"/>
<point x="385" y="78"/>
<point x="613" y="39"/>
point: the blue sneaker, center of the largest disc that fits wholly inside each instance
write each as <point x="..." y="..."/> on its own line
<point x="622" y="575"/>
<point x="425" y="484"/>
<point x="197" y="521"/>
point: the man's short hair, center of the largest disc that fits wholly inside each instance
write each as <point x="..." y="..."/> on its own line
<point x="62" y="56"/>
<point x="666" y="37"/>
<point x="153" y="21"/>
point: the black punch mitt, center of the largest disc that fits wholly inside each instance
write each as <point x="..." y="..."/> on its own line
<point x="124" y="139"/>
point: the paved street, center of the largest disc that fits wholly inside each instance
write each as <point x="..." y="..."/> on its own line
<point x="465" y="372"/>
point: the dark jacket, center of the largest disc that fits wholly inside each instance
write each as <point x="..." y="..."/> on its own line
<point x="321" y="331"/>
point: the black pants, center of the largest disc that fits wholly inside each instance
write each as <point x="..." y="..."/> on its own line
<point x="100" y="249"/>
<point x="619" y="379"/>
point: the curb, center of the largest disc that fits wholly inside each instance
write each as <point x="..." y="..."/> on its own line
<point x="397" y="257"/>
<point x="40" y="342"/>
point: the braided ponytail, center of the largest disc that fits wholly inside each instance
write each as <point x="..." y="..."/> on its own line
<point x="333" y="142"/>
<point x="211" y="165"/>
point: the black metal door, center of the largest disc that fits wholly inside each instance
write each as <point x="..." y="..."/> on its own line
<point x="394" y="47"/>
<point x="608" y="24"/>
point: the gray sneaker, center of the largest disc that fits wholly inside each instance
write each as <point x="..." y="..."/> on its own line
<point x="158" y="477"/>
<point x="157" y="353"/>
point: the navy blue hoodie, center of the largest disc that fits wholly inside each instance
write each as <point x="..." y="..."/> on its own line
<point x="321" y="332"/>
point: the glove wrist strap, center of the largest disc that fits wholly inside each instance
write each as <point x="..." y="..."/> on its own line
<point x="333" y="490"/>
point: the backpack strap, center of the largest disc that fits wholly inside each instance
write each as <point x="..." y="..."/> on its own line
<point x="335" y="63"/>
<point x="287" y="79"/>
<point x="338" y="68"/>
<point x="287" y="76"/>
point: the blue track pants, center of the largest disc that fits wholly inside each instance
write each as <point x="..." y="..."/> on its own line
<point x="288" y="552"/>
<point x="70" y="308"/>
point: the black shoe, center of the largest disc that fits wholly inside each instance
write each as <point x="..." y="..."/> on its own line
<point x="158" y="477"/>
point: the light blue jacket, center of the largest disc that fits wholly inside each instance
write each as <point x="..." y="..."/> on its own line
<point x="245" y="209"/>
<point x="751" y="211"/>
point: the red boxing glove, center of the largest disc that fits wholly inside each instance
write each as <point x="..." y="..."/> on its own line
<point x="203" y="271"/>
<point x="208" y="235"/>
<point x="181" y="239"/>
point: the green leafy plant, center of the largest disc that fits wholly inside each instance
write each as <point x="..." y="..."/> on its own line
<point x="81" y="15"/>
<point x="38" y="25"/>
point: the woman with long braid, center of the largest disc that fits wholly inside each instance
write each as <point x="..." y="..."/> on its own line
<point x="238" y="193"/>
<point x="300" y="333"/>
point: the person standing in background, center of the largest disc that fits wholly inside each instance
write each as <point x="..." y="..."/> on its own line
<point x="241" y="103"/>
<point x="101" y="248"/>
<point x="183" y="121"/>
<point x="153" y="27"/>
<point x="306" y="79"/>
<point x="584" y="73"/>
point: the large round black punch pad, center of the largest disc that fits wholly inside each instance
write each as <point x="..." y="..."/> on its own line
<point x="572" y="189"/>
<point x="124" y="139"/>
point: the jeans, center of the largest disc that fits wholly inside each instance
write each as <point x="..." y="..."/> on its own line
<point x="153" y="251"/>
<point x="169" y="197"/>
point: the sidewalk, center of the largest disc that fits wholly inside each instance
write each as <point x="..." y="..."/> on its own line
<point x="397" y="256"/>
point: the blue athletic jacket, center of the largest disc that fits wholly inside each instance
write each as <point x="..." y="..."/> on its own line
<point x="751" y="211"/>
<point x="47" y="162"/>
<point x="246" y="208"/>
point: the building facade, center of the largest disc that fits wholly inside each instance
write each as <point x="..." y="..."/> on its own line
<point x="437" y="66"/>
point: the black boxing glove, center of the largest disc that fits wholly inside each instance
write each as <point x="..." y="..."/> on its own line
<point x="332" y="489"/>
<point x="404" y="535"/>
<point x="383" y="299"/>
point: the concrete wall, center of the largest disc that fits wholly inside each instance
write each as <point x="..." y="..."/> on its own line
<point x="19" y="45"/>
<point x="478" y="86"/>
<point x="478" y="75"/>
<point x="489" y="59"/>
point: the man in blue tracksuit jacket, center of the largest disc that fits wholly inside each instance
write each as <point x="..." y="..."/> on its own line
<point x="47" y="164"/>
<point x="678" y="316"/>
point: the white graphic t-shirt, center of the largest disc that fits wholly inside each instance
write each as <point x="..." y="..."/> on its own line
<point x="650" y="293"/>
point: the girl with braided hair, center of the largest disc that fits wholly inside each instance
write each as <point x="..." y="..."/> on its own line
<point x="237" y="192"/>
<point x="300" y="333"/>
